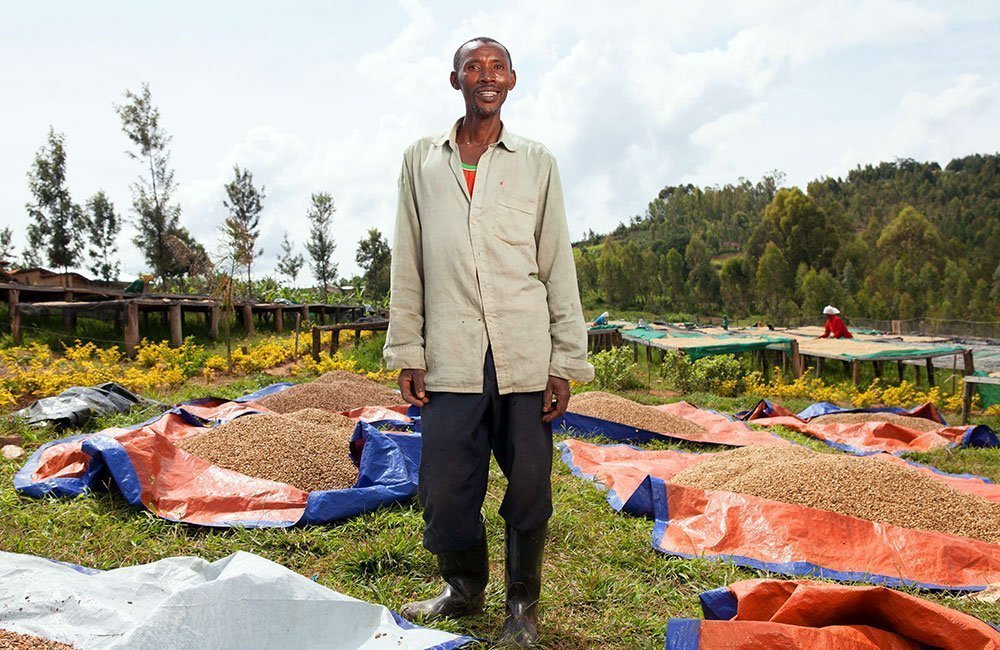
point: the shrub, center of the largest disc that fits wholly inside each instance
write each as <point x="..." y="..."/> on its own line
<point x="614" y="369"/>
<point x="677" y="371"/>
<point x="722" y="374"/>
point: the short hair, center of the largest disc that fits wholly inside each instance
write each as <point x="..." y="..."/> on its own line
<point x="481" y="39"/>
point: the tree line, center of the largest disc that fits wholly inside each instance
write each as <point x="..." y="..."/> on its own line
<point x="67" y="235"/>
<point x="896" y="240"/>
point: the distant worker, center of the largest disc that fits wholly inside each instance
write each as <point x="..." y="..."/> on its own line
<point x="834" y="326"/>
<point x="725" y="322"/>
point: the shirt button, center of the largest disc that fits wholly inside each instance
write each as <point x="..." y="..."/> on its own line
<point x="475" y="222"/>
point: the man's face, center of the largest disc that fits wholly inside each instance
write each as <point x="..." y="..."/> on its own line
<point x="484" y="77"/>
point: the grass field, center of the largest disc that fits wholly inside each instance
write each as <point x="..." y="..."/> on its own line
<point x="604" y="586"/>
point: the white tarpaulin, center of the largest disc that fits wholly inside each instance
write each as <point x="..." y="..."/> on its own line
<point x="242" y="601"/>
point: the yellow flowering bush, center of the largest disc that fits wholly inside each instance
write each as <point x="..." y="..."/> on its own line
<point x="270" y="352"/>
<point x="326" y="363"/>
<point x="215" y="363"/>
<point x="35" y="371"/>
<point x="905" y="395"/>
<point x="383" y="376"/>
<point x="804" y="387"/>
<point x="867" y="397"/>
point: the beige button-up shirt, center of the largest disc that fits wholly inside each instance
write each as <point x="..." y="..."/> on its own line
<point x="491" y="269"/>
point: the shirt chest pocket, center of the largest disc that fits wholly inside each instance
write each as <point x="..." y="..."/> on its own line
<point x="515" y="218"/>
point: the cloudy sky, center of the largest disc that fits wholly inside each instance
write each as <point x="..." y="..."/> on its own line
<point x="630" y="96"/>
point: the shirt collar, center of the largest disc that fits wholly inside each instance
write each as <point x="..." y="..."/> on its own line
<point x="510" y="141"/>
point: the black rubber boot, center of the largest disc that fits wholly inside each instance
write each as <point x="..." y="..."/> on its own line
<point x="524" y="585"/>
<point x="466" y="574"/>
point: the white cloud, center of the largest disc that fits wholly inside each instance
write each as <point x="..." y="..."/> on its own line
<point x="930" y="123"/>
<point x="630" y="98"/>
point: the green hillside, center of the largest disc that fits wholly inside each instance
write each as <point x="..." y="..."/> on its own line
<point x="904" y="240"/>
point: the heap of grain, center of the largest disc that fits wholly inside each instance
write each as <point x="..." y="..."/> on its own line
<point x="335" y="376"/>
<point x="309" y="449"/>
<point x="908" y="421"/>
<point x="10" y="640"/>
<point x="342" y="391"/>
<point x="875" y="488"/>
<point x="606" y="406"/>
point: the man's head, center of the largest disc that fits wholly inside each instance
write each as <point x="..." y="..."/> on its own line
<point x="484" y="74"/>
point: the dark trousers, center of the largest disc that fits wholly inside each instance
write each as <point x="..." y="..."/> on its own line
<point x="458" y="432"/>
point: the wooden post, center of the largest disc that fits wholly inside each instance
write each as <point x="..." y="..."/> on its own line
<point x="930" y="372"/>
<point x="316" y="343"/>
<point x="214" y="314"/>
<point x="635" y="352"/>
<point x="248" y="319"/>
<point x="796" y="359"/>
<point x="900" y="368"/>
<point x="175" y="317"/>
<point x="916" y="375"/>
<point x="131" y="327"/>
<point x="954" y="374"/>
<point x="357" y="338"/>
<point x="334" y="341"/>
<point x="966" y="401"/>
<point x="877" y="366"/>
<point x="322" y="314"/>
<point x="69" y="316"/>
<point x="304" y="310"/>
<point x="298" y="318"/>
<point x="279" y="320"/>
<point x="14" y="314"/>
<point x="819" y="366"/>
<point x="856" y="371"/>
<point x="968" y="364"/>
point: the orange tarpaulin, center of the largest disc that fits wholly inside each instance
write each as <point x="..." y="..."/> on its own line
<point x="151" y="471"/>
<point x="719" y="429"/>
<point x="869" y="437"/>
<point x="782" y="537"/>
<point x="778" y="614"/>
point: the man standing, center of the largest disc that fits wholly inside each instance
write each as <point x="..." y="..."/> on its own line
<point x="486" y="330"/>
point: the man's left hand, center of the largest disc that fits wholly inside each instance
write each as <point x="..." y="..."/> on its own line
<point x="557" y="389"/>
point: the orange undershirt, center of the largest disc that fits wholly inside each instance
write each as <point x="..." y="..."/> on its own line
<point x="470" y="176"/>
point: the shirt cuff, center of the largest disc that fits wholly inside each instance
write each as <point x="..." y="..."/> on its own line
<point x="404" y="356"/>
<point x="571" y="369"/>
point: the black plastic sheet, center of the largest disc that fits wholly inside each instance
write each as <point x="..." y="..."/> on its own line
<point x="74" y="406"/>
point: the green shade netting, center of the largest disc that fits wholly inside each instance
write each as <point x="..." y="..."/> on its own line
<point x="865" y="330"/>
<point x="988" y="393"/>
<point x="895" y="353"/>
<point x="643" y="333"/>
<point x="733" y="347"/>
<point x="709" y="344"/>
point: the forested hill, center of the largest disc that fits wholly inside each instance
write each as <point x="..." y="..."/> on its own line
<point x="904" y="239"/>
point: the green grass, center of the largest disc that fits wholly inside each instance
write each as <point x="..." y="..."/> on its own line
<point x="605" y="586"/>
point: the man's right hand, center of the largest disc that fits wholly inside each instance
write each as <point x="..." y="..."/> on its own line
<point x="411" y="385"/>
